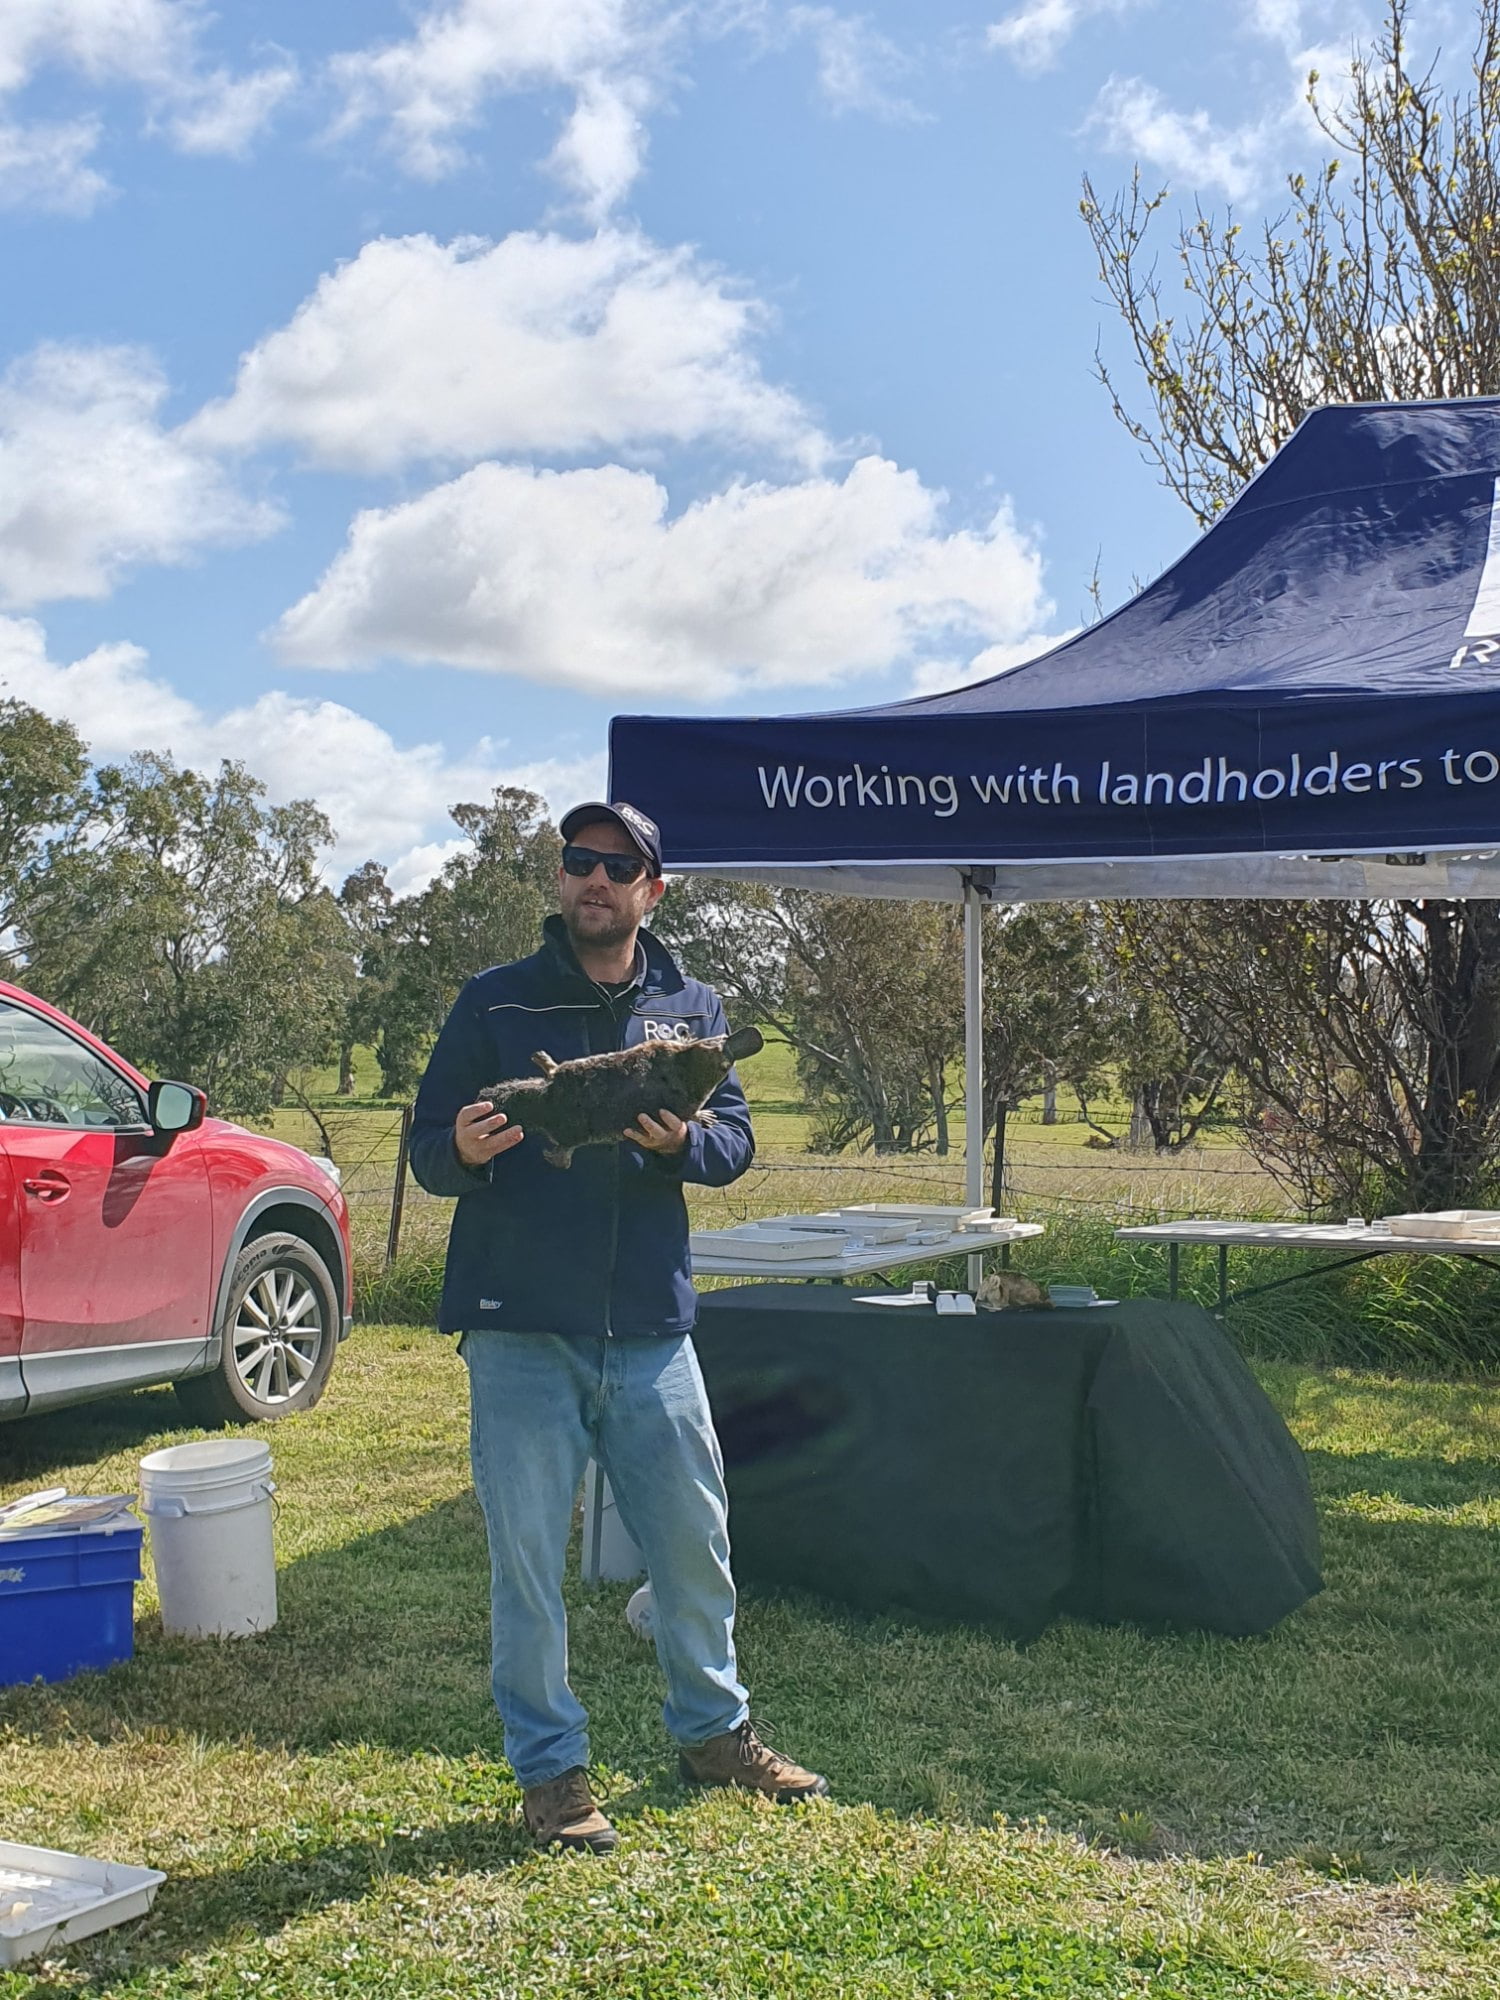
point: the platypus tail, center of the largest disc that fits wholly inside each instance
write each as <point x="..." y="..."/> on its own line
<point x="744" y="1042"/>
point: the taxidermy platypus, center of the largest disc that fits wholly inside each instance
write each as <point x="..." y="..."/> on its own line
<point x="591" y="1101"/>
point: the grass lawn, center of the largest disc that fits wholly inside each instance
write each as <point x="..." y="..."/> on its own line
<point x="1102" y="1814"/>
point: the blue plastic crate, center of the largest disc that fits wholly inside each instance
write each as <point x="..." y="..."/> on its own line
<point x="67" y="1601"/>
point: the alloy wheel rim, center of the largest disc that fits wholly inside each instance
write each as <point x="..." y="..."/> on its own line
<point x="278" y="1335"/>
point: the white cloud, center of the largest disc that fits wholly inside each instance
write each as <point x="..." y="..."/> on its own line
<point x="859" y="69"/>
<point x="1342" y="27"/>
<point x="154" y="46"/>
<point x="538" y="344"/>
<point x="1245" y="159"/>
<point x="579" y="579"/>
<point x="224" y="114"/>
<point x="431" y="88"/>
<point x="90" y="481"/>
<point x="857" y="65"/>
<point x="1280" y="19"/>
<point x="384" y="801"/>
<point x="942" y="676"/>
<point x="1132" y="116"/>
<point x="599" y="151"/>
<point x="46" y="167"/>
<point x="99" y="39"/>
<point x="419" y="864"/>
<point x="1034" y="35"/>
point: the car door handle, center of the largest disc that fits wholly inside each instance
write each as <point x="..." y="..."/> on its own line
<point x="49" y="1187"/>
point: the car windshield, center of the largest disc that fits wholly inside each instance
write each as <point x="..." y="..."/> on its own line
<point x="48" y="1078"/>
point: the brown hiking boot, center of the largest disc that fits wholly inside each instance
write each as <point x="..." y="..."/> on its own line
<point x="738" y="1757"/>
<point x="562" y="1813"/>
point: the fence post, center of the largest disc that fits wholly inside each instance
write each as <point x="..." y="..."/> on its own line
<point x="398" y="1193"/>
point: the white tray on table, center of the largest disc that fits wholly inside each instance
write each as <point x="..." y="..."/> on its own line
<point x="736" y="1253"/>
<point x="840" y="1221"/>
<point x="923" y="1215"/>
<point x="1465" y="1222"/>
<point x="770" y="1246"/>
<point x="930" y="1212"/>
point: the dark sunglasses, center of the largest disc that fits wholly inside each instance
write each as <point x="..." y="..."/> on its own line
<point x="618" y="867"/>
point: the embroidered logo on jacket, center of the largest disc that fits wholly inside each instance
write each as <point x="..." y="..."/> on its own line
<point x="667" y="1031"/>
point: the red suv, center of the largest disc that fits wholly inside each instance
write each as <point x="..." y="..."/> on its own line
<point x="141" y="1241"/>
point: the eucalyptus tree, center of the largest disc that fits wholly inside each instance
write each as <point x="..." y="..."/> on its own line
<point x="486" y="905"/>
<point x="1369" y="1034"/>
<point x="192" y="930"/>
<point x="368" y="906"/>
<point x="1044" y="1011"/>
<point x="44" y="799"/>
<point x="1376" y="279"/>
<point x="868" y="993"/>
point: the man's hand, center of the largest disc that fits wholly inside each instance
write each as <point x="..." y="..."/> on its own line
<point x="480" y="1132"/>
<point x="665" y="1133"/>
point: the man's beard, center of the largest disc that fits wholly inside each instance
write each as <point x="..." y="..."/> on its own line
<point x="614" y="928"/>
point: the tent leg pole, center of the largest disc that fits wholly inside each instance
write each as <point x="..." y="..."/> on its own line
<point x="973" y="1063"/>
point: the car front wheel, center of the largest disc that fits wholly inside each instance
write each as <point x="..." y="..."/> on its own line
<point x="279" y="1333"/>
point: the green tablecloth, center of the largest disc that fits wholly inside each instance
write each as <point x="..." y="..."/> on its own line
<point x="1117" y="1463"/>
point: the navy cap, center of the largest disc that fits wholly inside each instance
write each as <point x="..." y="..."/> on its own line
<point x="641" y="832"/>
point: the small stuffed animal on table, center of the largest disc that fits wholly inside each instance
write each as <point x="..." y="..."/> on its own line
<point x="1002" y="1290"/>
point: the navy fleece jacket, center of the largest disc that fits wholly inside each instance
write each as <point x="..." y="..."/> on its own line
<point x="600" y="1247"/>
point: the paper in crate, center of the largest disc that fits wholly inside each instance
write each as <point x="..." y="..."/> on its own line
<point x="60" y="1511"/>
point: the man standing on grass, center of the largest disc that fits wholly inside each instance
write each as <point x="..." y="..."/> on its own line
<point x="573" y="1297"/>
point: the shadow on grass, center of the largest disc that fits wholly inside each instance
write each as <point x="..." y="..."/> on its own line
<point x="1417" y="1482"/>
<point x="36" y="1447"/>
<point x="1367" y="1724"/>
<point x="193" y="1913"/>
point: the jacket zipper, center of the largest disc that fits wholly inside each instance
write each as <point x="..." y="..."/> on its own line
<point x="617" y="1022"/>
<point x="614" y="1207"/>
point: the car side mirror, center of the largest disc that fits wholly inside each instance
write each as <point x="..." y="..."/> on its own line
<point x="175" y="1107"/>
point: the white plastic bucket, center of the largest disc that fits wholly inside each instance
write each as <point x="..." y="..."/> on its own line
<point x="609" y="1555"/>
<point x="209" y="1506"/>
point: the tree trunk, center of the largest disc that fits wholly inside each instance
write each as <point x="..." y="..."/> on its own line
<point x="936" y="1091"/>
<point x="346" y="1070"/>
<point x="1049" y="1093"/>
<point x="882" y="1124"/>
<point x="1458" y="1117"/>
<point x="997" y="1173"/>
<point x="1140" y="1136"/>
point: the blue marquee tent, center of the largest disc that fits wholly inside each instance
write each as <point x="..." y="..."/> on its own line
<point x="1319" y="676"/>
<point x="1307" y="704"/>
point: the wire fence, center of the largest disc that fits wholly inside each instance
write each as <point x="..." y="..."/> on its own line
<point x="1052" y="1178"/>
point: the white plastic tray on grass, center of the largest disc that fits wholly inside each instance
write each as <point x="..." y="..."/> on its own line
<point x="48" y="1898"/>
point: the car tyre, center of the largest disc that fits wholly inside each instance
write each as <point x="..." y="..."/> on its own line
<point x="279" y="1334"/>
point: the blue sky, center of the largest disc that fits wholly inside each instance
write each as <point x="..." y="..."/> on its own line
<point x="391" y="393"/>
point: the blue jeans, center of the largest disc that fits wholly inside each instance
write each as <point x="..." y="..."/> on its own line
<point x="541" y="1406"/>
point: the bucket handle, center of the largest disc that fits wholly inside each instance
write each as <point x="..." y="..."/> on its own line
<point x="173" y="1506"/>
